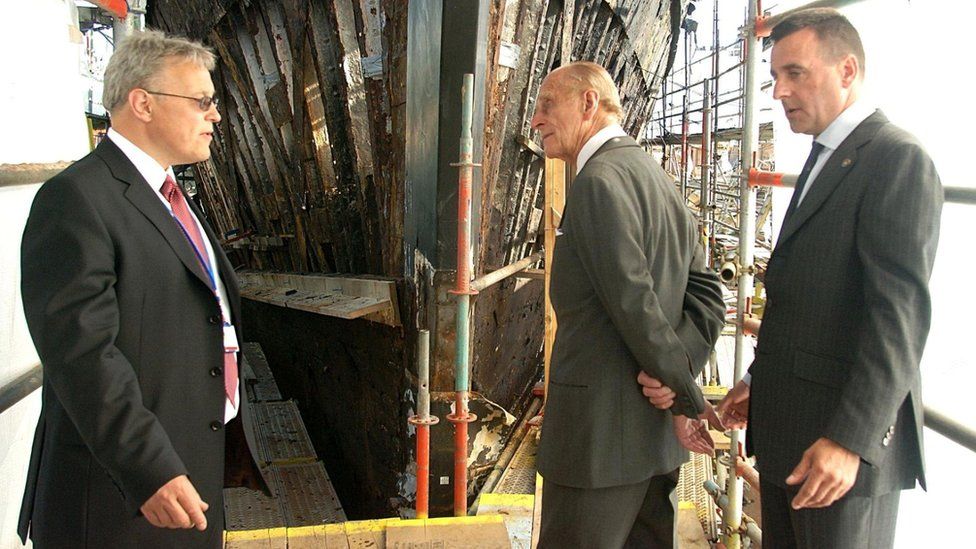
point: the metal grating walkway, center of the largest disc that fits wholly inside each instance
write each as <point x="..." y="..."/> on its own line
<point x="303" y="494"/>
<point x="519" y="476"/>
<point x="691" y="489"/>
<point x="283" y="438"/>
<point x="263" y="388"/>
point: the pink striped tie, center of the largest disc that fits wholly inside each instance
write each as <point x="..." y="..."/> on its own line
<point x="181" y="211"/>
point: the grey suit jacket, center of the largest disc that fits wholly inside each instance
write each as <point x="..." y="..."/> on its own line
<point x="848" y="313"/>
<point x="630" y="292"/>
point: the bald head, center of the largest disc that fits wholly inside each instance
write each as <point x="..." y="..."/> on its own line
<point x="575" y="102"/>
<point x="576" y="78"/>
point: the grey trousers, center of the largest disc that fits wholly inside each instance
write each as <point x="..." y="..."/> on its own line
<point x="851" y="522"/>
<point x="634" y="515"/>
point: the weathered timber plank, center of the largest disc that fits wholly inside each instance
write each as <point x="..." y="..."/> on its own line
<point x="354" y="214"/>
<point x="395" y="69"/>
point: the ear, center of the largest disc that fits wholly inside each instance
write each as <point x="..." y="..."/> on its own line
<point x="140" y="103"/>
<point x="850" y="70"/>
<point x="591" y="103"/>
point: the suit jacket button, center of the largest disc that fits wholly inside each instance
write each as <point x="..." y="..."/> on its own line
<point x="215" y="319"/>
<point x="215" y="425"/>
<point x="215" y="372"/>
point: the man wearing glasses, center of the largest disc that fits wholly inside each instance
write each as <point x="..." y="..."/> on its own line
<point x="134" y="310"/>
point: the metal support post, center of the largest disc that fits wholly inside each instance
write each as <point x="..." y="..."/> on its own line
<point x="751" y="49"/>
<point x="133" y="21"/>
<point x="705" y="200"/>
<point x="465" y="265"/>
<point x="423" y="420"/>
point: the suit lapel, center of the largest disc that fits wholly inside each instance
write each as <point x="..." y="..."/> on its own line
<point x="834" y="171"/>
<point x="224" y="269"/>
<point x="141" y="196"/>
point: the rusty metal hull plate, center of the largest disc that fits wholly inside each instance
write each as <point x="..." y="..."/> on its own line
<point x="519" y="476"/>
<point x="264" y="388"/>
<point x="307" y="495"/>
<point x="282" y="437"/>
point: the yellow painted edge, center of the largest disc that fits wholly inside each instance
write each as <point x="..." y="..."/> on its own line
<point x="306" y="531"/>
<point x="457" y="521"/>
<point x="447" y="521"/>
<point x="508" y="500"/>
<point x="687" y="505"/>
<point x="280" y="532"/>
<point x="369" y="525"/>
<point x="714" y="389"/>
<point x="247" y="535"/>
<point x="334" y="528"/>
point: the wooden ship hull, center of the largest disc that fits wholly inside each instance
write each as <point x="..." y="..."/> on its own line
<point x="331" y="184"/>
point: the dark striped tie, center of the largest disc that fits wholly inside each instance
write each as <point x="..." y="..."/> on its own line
<point x="801" y="182"/>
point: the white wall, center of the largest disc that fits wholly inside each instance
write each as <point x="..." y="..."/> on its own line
<point x="918" y="60"/>
<point x="42" y="106"/>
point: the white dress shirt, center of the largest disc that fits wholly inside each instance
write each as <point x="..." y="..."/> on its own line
<point x="155" y="176"/>
<point x="834" y="135"/>
<point x="594" y="143"/>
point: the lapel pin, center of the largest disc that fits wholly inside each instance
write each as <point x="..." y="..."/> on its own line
<point x="846" y="162"/>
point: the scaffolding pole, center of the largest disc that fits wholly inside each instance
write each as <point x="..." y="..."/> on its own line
<point x="463" y="290"/>
<point x="751" y="50"/>
<point x="422" y="421"/>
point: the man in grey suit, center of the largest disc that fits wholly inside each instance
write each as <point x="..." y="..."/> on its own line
<point x="834" y="402"/>
<point x="633" y="297"/>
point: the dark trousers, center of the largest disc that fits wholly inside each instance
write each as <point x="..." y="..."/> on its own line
<point x="851" y="522"/>
<point x="635" y="515"/>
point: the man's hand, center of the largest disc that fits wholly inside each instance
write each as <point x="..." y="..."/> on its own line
<point x="712" y="417"/>
<point x="827" y="471"/>
<point x="751" y="324"/>
<point x="176" y="505"/>
<point x="693" y="435"/>
<point x="734" y="408"/>
<point x="659" y="394"/>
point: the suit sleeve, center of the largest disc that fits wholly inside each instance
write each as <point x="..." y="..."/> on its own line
<point x="703" y="313"/>
<point x="607" y="229"/>
<point x="897" y="236"/>
<point x="69" y="292"/>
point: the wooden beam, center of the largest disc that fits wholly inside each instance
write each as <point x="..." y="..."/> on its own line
<point x="24" y="174"/>
<point x="555" y="183"/>
<point x="374" y="299"/>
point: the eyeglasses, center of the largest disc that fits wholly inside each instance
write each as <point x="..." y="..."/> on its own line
<point x="203" y="102"/>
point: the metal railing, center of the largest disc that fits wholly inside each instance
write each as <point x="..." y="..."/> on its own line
<point x="20" y="388"/>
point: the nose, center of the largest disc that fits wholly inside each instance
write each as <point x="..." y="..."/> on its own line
<point x="213" y="114"/>
<point x="779" y="89"/>
<point x="536" y="121"/>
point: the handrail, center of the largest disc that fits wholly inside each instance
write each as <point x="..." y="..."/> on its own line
<point x="962" y="435"/>
<point x="505" y="272"/>
<point x="20" y="388"/>
<point x="960" y="195"/>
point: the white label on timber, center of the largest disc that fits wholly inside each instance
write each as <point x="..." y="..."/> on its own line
<point x="445" y="481"/>
<point x="508" y="55"/>
<point x="373" y="66"/>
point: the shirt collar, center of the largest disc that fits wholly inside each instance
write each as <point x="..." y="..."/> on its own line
<point x="148" y="168"/>
<point x="594" y="143"/>
<point x="844" y="124"/>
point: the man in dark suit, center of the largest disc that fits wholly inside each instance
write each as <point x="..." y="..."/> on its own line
<point x="133" y="308"/>
<point x="834" y="402"/>
<point x="633" y="297"/>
